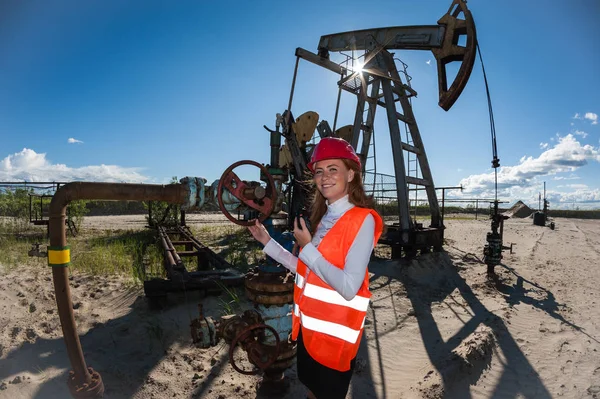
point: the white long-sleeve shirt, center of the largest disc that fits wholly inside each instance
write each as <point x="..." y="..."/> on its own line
<point x="345" y="281"/>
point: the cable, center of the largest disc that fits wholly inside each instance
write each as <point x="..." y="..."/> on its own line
<point x="495" y="160"/>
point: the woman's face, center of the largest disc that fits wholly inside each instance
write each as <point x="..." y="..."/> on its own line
<point x="332" y="178"/>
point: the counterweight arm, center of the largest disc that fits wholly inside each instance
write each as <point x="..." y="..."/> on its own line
<point x="441" y="39"/>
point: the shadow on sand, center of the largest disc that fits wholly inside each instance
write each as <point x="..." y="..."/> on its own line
<point x="518" y="378"/>
<point x="125" y="369"/>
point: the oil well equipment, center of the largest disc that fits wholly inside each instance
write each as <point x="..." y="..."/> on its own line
<point x="278" y="195"/>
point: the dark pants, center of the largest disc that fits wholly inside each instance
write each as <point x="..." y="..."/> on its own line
<point x="322" y="381"/>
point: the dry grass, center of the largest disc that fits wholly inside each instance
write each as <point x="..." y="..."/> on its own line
<point x="133" y="253"/>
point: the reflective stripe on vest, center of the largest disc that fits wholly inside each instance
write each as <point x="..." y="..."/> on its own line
<point x="331" y="296"/>
<point x="299" y="280"/>
<point x="337" y="330"/>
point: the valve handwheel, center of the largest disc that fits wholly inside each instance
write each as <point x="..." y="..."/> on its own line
<point x="251" y="195"/>
<point x="259" y="354"/>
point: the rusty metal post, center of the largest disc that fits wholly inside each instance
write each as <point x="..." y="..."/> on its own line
<point x="443" y="203"/>
<point x="84" y="382"/>
<point x="182" y="217"/>
<point x="150" y="204"/>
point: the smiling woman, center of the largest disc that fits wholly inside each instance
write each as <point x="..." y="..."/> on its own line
<point x="331" y="292"/>
<point x="332" y="178"/>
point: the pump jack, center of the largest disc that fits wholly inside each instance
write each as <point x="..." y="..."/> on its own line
<point x="378" y="83"/>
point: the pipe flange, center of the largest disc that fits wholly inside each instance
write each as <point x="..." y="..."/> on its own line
<point x="95" y="389"/>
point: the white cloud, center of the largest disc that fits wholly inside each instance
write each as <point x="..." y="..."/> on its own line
<point x="571" y="177"/>
<point x="578" y="196"/>
<point x="428" y="62"/>
<point x="591" y="117"/>
<point x="581" y="133"/>
<point x="578" y="186"/>
<point x="30" y="166"/>
<point x="558" y="162"/>
<point x="521" y="180"/>
<point x="74" y="141"/>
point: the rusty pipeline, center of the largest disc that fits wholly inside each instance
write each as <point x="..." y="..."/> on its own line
<point x="172" y="258"/>
<point x="84" y="382"/>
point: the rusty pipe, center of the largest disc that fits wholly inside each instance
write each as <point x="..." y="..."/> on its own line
<point x="170" y="261"/>
<point x="171" y="248"/>
<point x="82" y="383"/>
<point x="168" y="247"/>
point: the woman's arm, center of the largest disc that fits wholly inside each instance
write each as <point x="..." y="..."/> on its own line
<point x="272" y="247"/>
<point x="281" y="255"/>
<point x="345" y="281"/>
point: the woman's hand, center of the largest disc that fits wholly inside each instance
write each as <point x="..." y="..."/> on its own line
<point x="301" y="232"/>
<point x="260" y="233"/>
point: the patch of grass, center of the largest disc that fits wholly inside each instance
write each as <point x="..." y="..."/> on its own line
<point x="132" y="253"/>
<point x="13" y="252"/>
<point x="151" y="266"/>
<point x="240" y="249"/>
<point x="16" y="225"/>
<point x="231" y="304"/>
<point x="232" y="243"/>
<point x="15" y="244"/>
<point x="41" y="373"/>
<point x="117" y="252"/>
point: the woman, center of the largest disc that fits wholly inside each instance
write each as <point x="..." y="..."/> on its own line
<point x="331" y="292"/>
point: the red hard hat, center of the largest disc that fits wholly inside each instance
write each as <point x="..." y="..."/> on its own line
<point x="332" y="148"/>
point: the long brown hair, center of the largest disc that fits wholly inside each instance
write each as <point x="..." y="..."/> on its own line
<point x="356" y="196"/>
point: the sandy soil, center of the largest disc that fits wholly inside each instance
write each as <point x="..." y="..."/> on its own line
<point x="436" y="328"/>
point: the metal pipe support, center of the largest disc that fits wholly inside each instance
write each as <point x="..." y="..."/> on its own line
<point x="84" y="382"/>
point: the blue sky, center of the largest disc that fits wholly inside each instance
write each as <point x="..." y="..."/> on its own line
<point x="141" y="91"/>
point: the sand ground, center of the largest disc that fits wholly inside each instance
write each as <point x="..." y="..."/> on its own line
<point x="437" y="328"/>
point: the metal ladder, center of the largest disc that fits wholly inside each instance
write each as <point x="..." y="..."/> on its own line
<point x="412" y="164"/>
<point x="368" y="153"/>
<point x="412" y="161"/>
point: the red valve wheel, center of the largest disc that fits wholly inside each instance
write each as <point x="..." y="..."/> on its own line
<point x="250" y="195"/>
<point x="261" y="355"/>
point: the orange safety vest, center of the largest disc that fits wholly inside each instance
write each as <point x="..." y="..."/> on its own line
<point x="332" y="326"/>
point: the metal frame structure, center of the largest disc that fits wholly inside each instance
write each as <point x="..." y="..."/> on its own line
<point x="39" y="215"/>
<point x="378" y="83"/>
<point x="212" y="271"/>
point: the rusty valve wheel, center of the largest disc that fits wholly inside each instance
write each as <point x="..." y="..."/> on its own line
<point x="259" y="354"/>
<point x="252" y="195"/>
